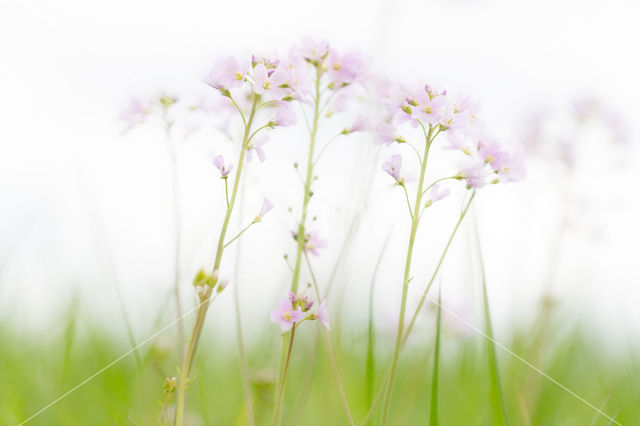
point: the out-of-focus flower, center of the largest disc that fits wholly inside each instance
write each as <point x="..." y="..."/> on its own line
<point x="392" y="166"/>
<point x="312" y="242"/>
<point x="228" y="73"/>
<point x="285" y="115"/>
<point x="436" y="194"/>
<point x="310" y="50"/>
<point x="360" y="124"/>
<point x="386" y="135"/>
<point x="267" y="205"/>
<point x="434" y="109"/>
<point x="136" y="112"/>
<point x="256" y="145"/>
<point x="218" y="161"/>
<point x="322" y="316"/>
<point x="345" y="69"/>
<point x="286" y="316"/>
<point x="474" y="175"/>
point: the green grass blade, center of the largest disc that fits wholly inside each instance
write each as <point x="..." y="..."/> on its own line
<point x="370" y="362"/>
<point x="433" y="416"/>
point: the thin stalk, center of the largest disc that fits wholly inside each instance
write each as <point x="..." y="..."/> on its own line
<point x="433" y="415"/>
<point x="295" y="279"/>
<point x="415" y="221"/>
<point x="177" y="237"/>
<point x="497" y="397"/>
<point x="332" y="356"/>
<point x="277" y="412"/>
<point x="242" y="354"/>
<point x="202" y="310"/>
<point x="435" y="272"/>
<point x="239" y="234"/>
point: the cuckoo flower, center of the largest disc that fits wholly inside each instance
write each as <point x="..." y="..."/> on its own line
<point x="285" y="115"/>
<point x="386" y="135"/>
<point x="256" y="145"/>
<point x="436" y="194"/>
<point x="272" y="82"/>
<point x="312" y="51"/>
<point x="286" y="316"/>
<point x="228" y="73"/>
<point x="218" y="161"/>
<point x="392" y="166"/>
<point x="322" y="316"/>
<point x="267" y="205"/>
<point x="136" y="112"/>
<point x="345" y="69"/>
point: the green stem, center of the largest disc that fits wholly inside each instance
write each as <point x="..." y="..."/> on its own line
<point x="435" y="272"/>
<point x="202" y="310"/>
<point x="324" y="148"/>
<point x="239" y="233"/>
<point x="277" y="412"/>
<point x="433" y="415"/>
<point x="415" y="221"/>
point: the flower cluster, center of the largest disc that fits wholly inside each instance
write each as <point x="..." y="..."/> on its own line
<point x="429" y="108"/>
<point x="295" y="309"/>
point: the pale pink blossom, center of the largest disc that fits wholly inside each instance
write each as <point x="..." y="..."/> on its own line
<point x="272" y="82"/>
<point x="434" y="109"/>
<point x="360" y="124"/>
<point x="474" y="175"/>
<point x="312" y="242"/>
<point x="285" y="115"/>
<point x="436" y="194"/>
<point x="392" y="166"/>
<point x="228" y="73"/>
<point x="322" y="316"/>
<point x="267" y="205"/>
<point x="218" y="161"/>
<point x="345" y="69"/>
<point x="256" y="145"/>
<point x="310" y="50"/>
<point x="286" y="316"/>
<point x="136" y="112"/>
<point x="386" y="135"/>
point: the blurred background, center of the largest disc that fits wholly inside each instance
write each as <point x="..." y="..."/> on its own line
<point x="87" y="216"/>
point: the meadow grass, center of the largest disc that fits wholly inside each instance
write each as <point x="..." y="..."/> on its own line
<point x="36" y="369"/>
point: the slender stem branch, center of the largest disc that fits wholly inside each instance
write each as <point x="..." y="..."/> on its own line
<point x="406" y="195"/>
<point x="435" y="272"/>
<point x="283" y="380"/>
<point x="202" y="310"/>
<point x="226" y="190"/>
<point x="256" y="131"/>
<point x="324" y="148"/>
<point x="239" y="233"/>
<point x="239" y="110"/>
<point x="415" y="221"/>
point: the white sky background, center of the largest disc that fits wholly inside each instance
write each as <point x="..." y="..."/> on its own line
<point x="72" y="189"/>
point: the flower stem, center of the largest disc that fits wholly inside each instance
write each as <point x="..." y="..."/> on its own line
<point x="239" y="233"/>
<point x="202" y="310"/>
<point x="415" y="221"/>
<point x="277" y="412"/>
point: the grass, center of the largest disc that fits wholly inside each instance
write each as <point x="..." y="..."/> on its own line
<point x="36" y="369"/>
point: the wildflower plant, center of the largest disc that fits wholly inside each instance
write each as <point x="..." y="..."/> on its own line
<point x="432" y="113"/>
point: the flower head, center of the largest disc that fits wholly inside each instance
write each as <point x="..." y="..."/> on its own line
<point x="272" y="82"/>
<point x="228" y="73"/>
<point x="310" y="50"/>
<point x="386" y="135"/>
<point x="392" y="166"/>
<point x="256" y="145"/>
<point x="136" y="112"/>
<point x="312" y="242"/>
<point x="345" y="69"/>
<point x="267" y="205"/>
<point x="285" y="115"/>
<point x="218" y="161"/>
<point x="322" y="316"/>
<point x="436" y="194"/>
<point x="286" y="315"/>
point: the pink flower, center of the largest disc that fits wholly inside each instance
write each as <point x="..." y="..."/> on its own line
<point x="136" y="112"/>
<point x="321" y="315"/>
<point x="218" y="161"/>
<point x="312" y="51"/>
<point x="358" y="125"/>
<point x="314" y="242"/>
<point x="490" y="152"/>
<point x="432" y="109"/>
<point x="267" y="205"/>
<point x="256" y="145"/>
<point x="271" y="82"/>
<point x="228" y="73"/>
<point x="286" y="315"/>
<point x="345" y="69"/>
<point x="285" y="115"/>
<point x="510" y="167"/>
<point x="392" y="166"/>
<point x="386" y="135"/>
<point x="474" y="175"/>
<point x="435" y="194"/>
